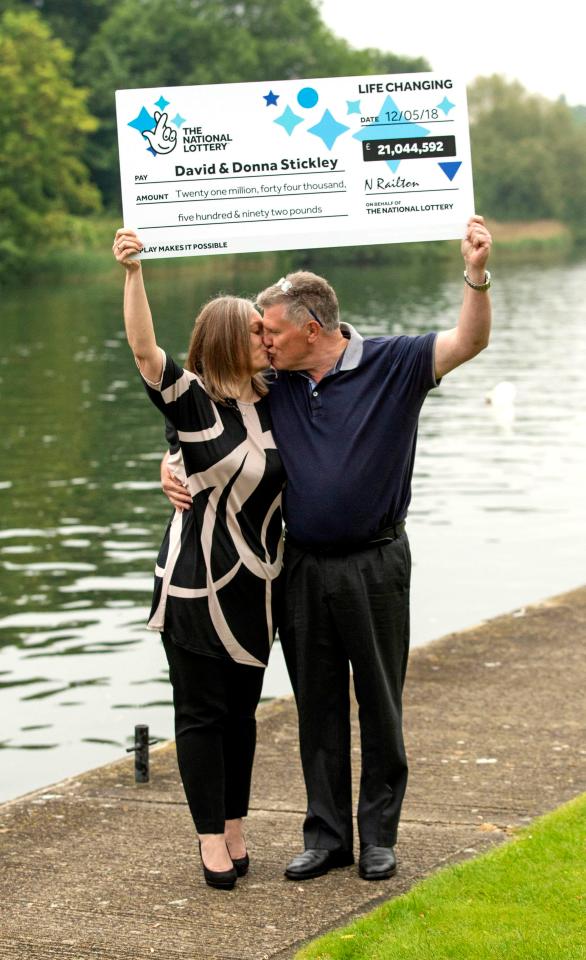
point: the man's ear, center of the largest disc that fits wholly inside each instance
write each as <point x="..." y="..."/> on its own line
<point x="312" y="331"/>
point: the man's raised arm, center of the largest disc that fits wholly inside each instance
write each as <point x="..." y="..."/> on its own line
<point x="456" y="346"/>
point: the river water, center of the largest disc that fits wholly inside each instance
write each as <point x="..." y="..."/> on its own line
<point x="497" y="519"/>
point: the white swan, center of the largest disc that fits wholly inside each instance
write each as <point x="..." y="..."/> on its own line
<point x="502" y="400"/>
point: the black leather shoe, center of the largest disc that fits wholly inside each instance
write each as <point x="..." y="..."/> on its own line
<point x="220" y="879"/>
<point x="314" y="863"/>
<point x="376" y="863"/>
<point x="241" y="864"/>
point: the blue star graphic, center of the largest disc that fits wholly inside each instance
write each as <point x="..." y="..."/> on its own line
<point x="390" y="131"/>
<point x="328" y="129"/>
<point x="178" y="120"/>
<point x="143" y="121"/>
<point x="445" y="106"/>
<point x="271" y="98"/>
<point x="288" y="120"/>
<point x="162" y="103"/>
<point x="353" y="106"/>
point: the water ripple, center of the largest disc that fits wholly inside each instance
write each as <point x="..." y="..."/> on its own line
<point x="496" y="519"/>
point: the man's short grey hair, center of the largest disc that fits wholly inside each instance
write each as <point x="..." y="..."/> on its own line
<point x="306" y="296"/>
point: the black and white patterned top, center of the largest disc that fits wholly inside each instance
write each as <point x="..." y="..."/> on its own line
<point x="217" y="583"/>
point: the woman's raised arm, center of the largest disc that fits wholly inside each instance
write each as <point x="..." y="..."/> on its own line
<point x="137" y="313"/>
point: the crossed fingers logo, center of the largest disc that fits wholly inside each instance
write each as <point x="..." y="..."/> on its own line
<point x="163" y="139"/>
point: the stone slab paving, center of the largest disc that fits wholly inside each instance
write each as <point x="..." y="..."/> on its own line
<point x="98" y="866"/>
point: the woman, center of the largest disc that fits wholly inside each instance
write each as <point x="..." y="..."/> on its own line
<point x="217" y="575"/>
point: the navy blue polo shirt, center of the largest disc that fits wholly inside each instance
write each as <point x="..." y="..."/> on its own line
<point x="348" y="443"/>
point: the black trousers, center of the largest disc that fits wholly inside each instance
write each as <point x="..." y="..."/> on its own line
<point x="215" y="733"/>
<point x="351" y="609"/>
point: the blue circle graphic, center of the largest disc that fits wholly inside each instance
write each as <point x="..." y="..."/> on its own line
<point x="307" y="97"/>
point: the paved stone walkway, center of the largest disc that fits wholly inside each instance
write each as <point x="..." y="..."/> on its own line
<point x="99" y="867"/>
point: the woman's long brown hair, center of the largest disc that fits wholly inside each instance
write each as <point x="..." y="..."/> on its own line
<point x="219" y="350"/>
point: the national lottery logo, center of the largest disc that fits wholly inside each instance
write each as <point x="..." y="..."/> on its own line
<point x="162" y="132"/>
<point x="157" y="129"/>
<point x="163" y="139"/>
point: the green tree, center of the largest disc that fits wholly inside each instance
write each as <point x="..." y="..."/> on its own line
<point x="178" y="42"/>
<point x="43" y="181"/>
<point x="73" y="21"/>
<point x="527" y="154"/>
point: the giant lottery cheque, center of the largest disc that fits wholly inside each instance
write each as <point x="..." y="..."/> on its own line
<point x="229" y="168"/>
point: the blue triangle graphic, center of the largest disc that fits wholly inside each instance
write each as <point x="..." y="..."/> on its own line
<point x="451" y="168"/>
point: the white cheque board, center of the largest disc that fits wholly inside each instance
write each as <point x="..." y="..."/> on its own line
<point x="237" y="167"/>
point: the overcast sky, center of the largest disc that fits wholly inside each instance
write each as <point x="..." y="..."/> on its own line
<point x="542" y="46"/>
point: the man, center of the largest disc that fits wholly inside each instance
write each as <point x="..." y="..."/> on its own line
<point x="345" y="412"/>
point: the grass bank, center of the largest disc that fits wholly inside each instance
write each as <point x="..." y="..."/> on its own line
<point x="525" y="900"/>
<point x="88" y="253"/>
<point x="531" y="239"/>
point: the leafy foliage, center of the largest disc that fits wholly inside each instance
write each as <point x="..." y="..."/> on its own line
<point x="42" y="178"/>
<point x="528" y="154"/>
<point x="73" y="21"/>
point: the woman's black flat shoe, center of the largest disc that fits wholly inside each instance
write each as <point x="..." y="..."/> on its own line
<point x="220" y="879"/>
<point x="241" y="865"/>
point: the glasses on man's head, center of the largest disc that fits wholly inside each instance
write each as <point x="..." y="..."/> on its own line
<point x="286" y="287"/>
<point x="314" y="315"/>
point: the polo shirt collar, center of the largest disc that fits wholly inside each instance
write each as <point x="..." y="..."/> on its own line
<point x="348" y="360"/>
<point x="353" y="353"/>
